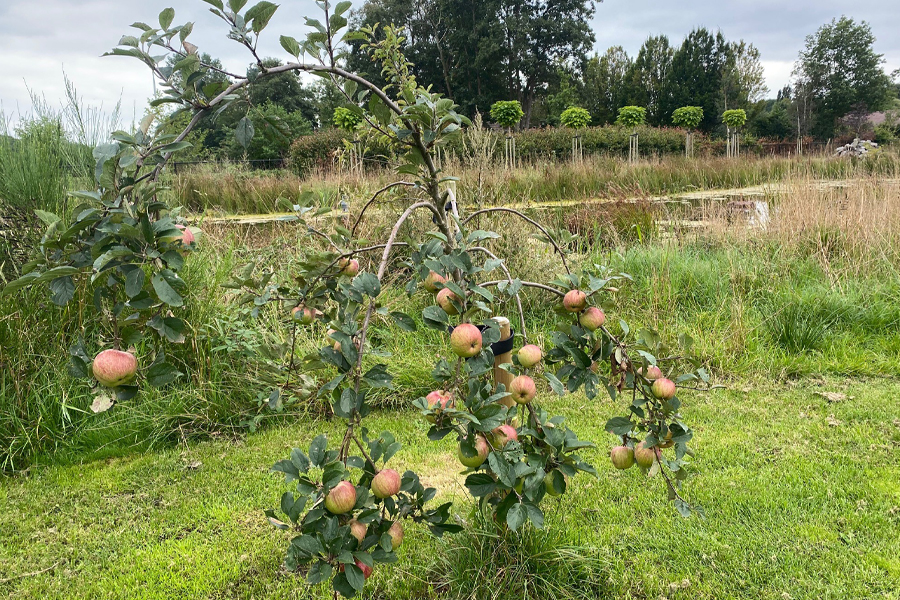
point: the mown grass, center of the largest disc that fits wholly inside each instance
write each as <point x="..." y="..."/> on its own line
<point x="800" y="497"/>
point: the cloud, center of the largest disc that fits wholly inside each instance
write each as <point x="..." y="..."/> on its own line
<point x="40" y="38"/>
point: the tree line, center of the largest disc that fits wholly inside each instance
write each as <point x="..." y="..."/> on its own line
<point x="538" y="52"/>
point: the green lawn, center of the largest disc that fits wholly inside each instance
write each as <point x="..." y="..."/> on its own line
<point x="802" y="500"/>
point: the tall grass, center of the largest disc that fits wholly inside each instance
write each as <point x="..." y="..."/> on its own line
<point x="787" y="300"/>
<point x="234" y="190"/>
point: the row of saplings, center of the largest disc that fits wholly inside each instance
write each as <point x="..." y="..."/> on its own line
<point x="114" y="367"/>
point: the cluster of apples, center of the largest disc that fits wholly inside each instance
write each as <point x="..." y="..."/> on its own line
<point x="341" y="500"/>
<point x="624" y="457"/>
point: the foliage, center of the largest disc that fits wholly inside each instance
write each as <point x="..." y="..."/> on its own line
<point x="632" y="116"/>
<point x="346" y="119"/>
<point x="735" y="118"/>
<point x="507" y="113"/>
<point x="688" y="117"/>
<point x="697" y="72"/>
<point x="605" y="84"/>
<point x="649" y="79"/>
<point x="841" y="72"/>
<point x="575" y="117"/>
<point x="505" y="49"/>
<point x="129" y="246"/>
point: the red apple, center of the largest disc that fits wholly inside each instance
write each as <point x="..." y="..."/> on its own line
<point x="366" y="569"/>
<point x="303" y="315"/>
<point x="592" y="319"/>
<point x="357" y="530"/>
<point x="396" y="533"/>
<point x="522" y="389"/>
<point x="444" y="300"/>
<point x="575" y="301"/>
<point x="663" y="388"/>
<point x="350" y="268"/>
<point x="465" y="341"/>
<point x="644" y="455"/>
<point x="341" y="499"/>
<point x="622" y="457"/>
<point x="500" y="436"/>
<point x="386" y="483"/>
<point x="481" y="452"/>
<point x="113" y="368"/>
<point x="530" y="355"/>
<point x="431" y="281"/>
<point x="653" y="373"/>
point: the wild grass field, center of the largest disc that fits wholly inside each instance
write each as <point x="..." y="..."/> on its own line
<point x="796" y="464"/>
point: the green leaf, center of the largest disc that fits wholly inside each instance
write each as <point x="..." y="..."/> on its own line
<point x="480" y="484"/>
<point x="619" y="425"/>
<point x="342" y="7"/>
<point x="63" y="289"/>
<point x="134" y="282"/>
<point x="217" y="3"/>
<point x="404" y="321"/>
<point x="165" y="291"/>
<point x="317" y="450"/>
<point x="47" y="217"/>
<point x="318" y="573"/>
<point x="516" y="516"/>
<point x="435" y="318"/>
<point x="355" y="577"/>
<point x="534" y="514"/>
<point x="165" y="17"/>
<point x="555" y="384"/>
<point x="161" y="373"/>
<point x="290" y="45"/>
<point x="236" y="5"/>
<point x="244" y="132"/>
<point x="368" y="283"/>
<point x="260" y="15"/>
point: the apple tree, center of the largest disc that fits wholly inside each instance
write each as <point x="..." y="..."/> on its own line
<point x="347" y="505"/>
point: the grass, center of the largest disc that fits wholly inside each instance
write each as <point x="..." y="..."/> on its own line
<point x="235" y="190"/>
<point x="800" y="496"/>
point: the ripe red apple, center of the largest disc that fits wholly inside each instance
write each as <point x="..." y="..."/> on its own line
<point x="113" y="368"/>
<point x="444" y="298"/>
<point x="644" y="455"/>
<point x="366" y="569"/>
<point x="523" y="389"/>
<point x="653" y="373"/>
<point x="530" y="355"/>
<point x="481" y="452"/>
<point x="465" y="340"/>
<point x="350" y="268"/>
<point x="503" y="434"/>
<point x="341" y="499"/>
<point x="396" y="533"/>
<point x="357" y="530"/>
<point x="303" y="315"/>
<point x="592" y="319"/>
<point x="431" y="281"/>
<point x="575" y="301"/>
<point x="185" y="238"/>
<point x="439" y="399"/>
<point x="663" y="388"/>
<point x="386" y="483"/>
<point x="622" y="457"/>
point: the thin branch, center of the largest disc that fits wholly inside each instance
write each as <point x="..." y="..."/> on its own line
<point x="539" y="286"/>
<point x="372" y="200"/>
<point x="510" y="279"/>
<point x="529" y="220"/>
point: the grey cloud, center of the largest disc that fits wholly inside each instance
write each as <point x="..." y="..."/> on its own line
<point x="40" y="38"/>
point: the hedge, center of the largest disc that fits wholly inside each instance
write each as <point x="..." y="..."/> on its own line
<point x="318" y="148"/>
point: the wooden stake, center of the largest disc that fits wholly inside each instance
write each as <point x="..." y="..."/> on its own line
<point x="501" y="375"/>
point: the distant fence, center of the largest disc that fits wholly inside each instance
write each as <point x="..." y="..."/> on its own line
<point x="754" y="148"/>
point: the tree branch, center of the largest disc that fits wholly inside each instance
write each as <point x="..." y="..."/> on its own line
<point x="529" y="220"/>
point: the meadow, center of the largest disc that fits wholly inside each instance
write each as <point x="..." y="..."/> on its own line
<point x="796" y="466"/>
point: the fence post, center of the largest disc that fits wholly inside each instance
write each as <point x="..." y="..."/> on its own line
<point x="501" y="375"/>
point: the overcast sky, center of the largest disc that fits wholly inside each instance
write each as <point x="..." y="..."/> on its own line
<point x="39" y="39"/>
